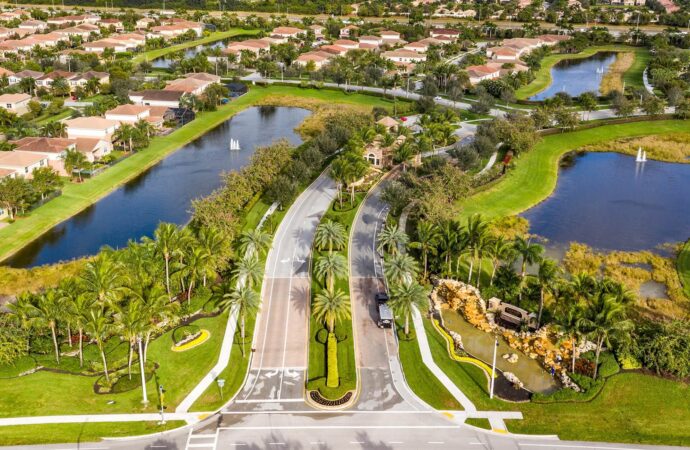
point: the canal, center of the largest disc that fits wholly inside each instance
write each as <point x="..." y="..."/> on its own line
<point x="164" y="192"/>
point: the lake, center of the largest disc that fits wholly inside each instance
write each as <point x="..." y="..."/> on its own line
<point x="610" y="202"/>
<point x="164" y="192"/>
<point x="577" y="76"/>
<point x="164" y="63"/>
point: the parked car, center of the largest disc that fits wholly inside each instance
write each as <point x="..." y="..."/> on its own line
<point x="385" y="313"/>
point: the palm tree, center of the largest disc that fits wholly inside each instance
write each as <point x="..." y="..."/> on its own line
<point x="477" y="232"/>
<point x="530" y="253"/>
<point x="77" y="306"/>
<point x="404" y="298"/>
<point x="24" y="313"/>
<point x="156" y="308"/>
<point x="547" y="275"/>
<point x="427" y="240"/>
<point x="144" y="128"/>
<point x="583" y="286"/>
<point x="400" y="268"/>
<point x="195" y="266"/>
<point x="47" y="312"/>
<point x="75" y="160"/>
<point x="246" y="300"/>
<point x="330" y="307"/>
<point x="339" y="174"/>
<point x="391" y="238"/>
<point x="125" y="133"/>
<point x="331" y="266"/>
<point x="448" y="239"/>
<point x="55" y="129"/>
<point x="568" y="322"/>
<point x="103" y="280"/>
<point x="212" y="241"/>
<point x="331" y="235"/>
<point x="98" y="326"/>
<point x="603" y="319"/>
<point x="129" y="323"/>
<point x="499" y="249"/>
<point x="167" y="243"/>
<point x="254" y="242"/>
<point x="250" y="270"/>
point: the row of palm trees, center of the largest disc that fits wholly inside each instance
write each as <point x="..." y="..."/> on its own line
<point x="583" y="306"/>
<point x="132" y="294"/>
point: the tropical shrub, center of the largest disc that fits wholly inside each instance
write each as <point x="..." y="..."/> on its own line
<point x="185" y="333"/>
<point x="332" y="369"/>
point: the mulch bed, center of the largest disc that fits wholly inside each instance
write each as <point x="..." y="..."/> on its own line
<point x="316" y="396"/>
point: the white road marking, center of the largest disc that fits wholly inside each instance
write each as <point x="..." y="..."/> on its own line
<point x="338" y="413"/>
<point x="395" y="442"/>
<point x="349" y="427"/>
<point x="265" y="400"/>
<point x="436" y="442"/>
<point x="287" y="321"/>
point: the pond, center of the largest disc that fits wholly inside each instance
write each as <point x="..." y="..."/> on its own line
<point x="164" y="192"/>
<point x="610" y="202"/>
<point x="164" y="63"/>
<point x="481" y="346"/>
<point x="577" y="76"/>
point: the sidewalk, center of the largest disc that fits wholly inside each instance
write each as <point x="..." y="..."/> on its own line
<point x="83" y="418"/>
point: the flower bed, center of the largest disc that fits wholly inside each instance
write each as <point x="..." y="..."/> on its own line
<point x="192" y="341"/>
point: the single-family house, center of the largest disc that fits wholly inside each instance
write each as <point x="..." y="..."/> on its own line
<point x="370" y="40"/>
<point x="255" y="46"/>
<point x="19" y="76"/>
<point x="404" y="56"/>
<point x="91" y="128"/>
<point x="128" y="113"/>
<point x="444" y="32"/>
<point x="22" y="163"/>
<point x="34" y="26"/>
<point x="389" y="36"/>
<point x="346" y="43"/>
<point x="348" y="31"/>
<point x="114" y="23"/>
<point x="48" y="79"/>
<point x="81" y="79"/>
<point x="287" y="33"/>
<point x="54" y="149"/>
<point x="483" y="72"/>
<point x="319" y="58"/>
<point x="157" y="97"/>
<point x="335" y="49"/>
<point x="16" y="103"/>
<point x="318" y="30"/>
<point x="145" y="23"/>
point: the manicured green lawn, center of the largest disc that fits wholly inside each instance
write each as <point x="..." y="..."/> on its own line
<point x="535" y="173"/>
<point x="78" y="432"/>
<point x="213" y="37"/>
<point x="45" y="119"/>
<point x="47" y="393"/>
<point x="479" y="423"/>
<point x="632" y="407"/>
<point x="683" y="265"/>
<point x="632" y="77"/>
<point x="347" y="366"/>
<point x="78" y="196"/>
<point x="421" y="380"/>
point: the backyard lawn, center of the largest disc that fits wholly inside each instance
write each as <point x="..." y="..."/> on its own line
<point x="77" y="196"/>
<point x="213" y="37"/>
<point x="535" y="173"/>
<point x="632" y="77"/>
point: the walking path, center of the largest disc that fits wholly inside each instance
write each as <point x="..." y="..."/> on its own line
<point x="190" y="418"/>
<point x="645" y="80"/>
<point x="225" y="349"/>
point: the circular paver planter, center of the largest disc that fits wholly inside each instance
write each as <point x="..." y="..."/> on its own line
<point x="317" y="398"/>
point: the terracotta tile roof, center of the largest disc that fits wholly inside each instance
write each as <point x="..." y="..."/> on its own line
<point x="43" y="144"/>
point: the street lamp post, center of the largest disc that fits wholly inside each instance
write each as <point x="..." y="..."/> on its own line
<point x="221" y="383"/>
<point x="145" y="399"/>
<point x="493" y="368"/>
<point x="161" y="392"/>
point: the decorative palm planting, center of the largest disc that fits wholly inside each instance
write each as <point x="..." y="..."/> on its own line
<point x="332" y="369"/>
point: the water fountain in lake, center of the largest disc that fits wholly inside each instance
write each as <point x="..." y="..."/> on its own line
<point x="641" y="156"/>
<point x="234" y="144"/>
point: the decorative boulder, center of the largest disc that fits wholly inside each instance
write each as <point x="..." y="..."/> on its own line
<point x="512" y="378"/>
<point x="513" y="358"/>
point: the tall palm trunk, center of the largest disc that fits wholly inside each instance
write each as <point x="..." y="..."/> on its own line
<point x="573" y="343"/>
<point x="129" y="359"/>
<point x="69" y="336"/>
<point x="105" y="363"/>
<point x="493" y="273"/>
<point x="469" y="276"/>
<point x="407" y="324"/>
<point x="81" y="348"/>
<point x="479" y="272"/>
<point x="242" y="333"/>
<point x="145" y="399"/>
<point x="55" y="343"/>
<point x="600" y="343"/>
<point x="189" y="291"/>
<point x="426" y="263"/>
<point x="167" y="274"/>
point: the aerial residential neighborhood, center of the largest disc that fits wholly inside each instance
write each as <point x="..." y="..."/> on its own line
<point x="381" y="225"/>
